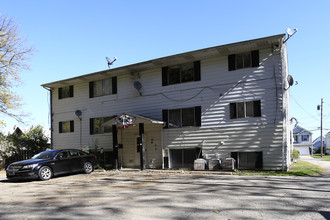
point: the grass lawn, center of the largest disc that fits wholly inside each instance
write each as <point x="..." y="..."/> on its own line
<point x="301" y="168"/>
<point x="324" y="158"/>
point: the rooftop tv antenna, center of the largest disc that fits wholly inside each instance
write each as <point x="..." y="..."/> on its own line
<point x="289" y="33"/>
<point x="110" y="62"/>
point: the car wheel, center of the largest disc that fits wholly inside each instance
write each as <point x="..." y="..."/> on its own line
<point x="45" y="173"/>
<point x="88" y="167"/>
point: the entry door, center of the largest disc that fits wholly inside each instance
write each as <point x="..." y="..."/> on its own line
<point x="129" y="155"/>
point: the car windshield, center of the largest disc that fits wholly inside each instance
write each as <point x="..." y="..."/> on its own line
<point x="44" y="155"/>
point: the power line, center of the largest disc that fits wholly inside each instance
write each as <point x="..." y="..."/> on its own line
<point x="303" y="108"/>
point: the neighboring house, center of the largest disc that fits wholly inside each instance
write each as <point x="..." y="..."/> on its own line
<point x="317" y="143"/>
<point x="219" y="102"/>
<point x="302" y="140"/>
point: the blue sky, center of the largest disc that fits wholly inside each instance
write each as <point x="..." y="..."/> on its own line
<point x="73" y="38"/>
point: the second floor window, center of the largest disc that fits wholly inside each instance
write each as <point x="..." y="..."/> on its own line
<point x="65" y="92"/>
<point x="103" y="87"/>
<point x="96" y="125"/>
<point x="184" y="117"/>
<point x="181" y="73"/>
<point x="304" y="137"/>
<point x="295" y="137"/>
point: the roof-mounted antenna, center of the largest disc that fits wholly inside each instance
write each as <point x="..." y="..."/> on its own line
<point x="110" y="62"/>
<point x="289" y="33"/>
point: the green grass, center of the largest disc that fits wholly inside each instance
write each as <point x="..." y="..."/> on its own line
<point x="301" y="168"/>
<point x="324" y="158"/>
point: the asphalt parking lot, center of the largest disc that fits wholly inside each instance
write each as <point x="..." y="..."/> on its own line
<point x="162" y="195"/>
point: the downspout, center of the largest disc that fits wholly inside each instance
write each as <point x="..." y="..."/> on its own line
<point x="285" y="109"/>
<point x="51" y="116"/>
<point x="162" y="133"/>
<point x="283" y="116"/>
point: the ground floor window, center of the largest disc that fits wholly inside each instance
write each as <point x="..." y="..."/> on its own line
<point x="248" y="160"/>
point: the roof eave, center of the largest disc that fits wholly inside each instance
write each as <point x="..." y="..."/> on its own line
<point x="173" y="59"/>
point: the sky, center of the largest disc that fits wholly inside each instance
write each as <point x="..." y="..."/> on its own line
<point x="72" y="38"/>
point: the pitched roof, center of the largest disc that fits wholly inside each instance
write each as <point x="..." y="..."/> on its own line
<point x="298" y="130"/>
<point x="174" y="59"/>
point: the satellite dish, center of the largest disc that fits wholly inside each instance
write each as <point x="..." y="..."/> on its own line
<point x="290" y="80"/>
<point x="110" y="62"/>
<point x="138" y="86"/>
<point x="78" y="113"/>
<point x="288" y="31"/>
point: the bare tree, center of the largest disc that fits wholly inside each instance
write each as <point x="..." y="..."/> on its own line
<point x="13" y="56"/>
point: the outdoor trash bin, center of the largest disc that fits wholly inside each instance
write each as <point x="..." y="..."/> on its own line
<point x="199" y="164"/>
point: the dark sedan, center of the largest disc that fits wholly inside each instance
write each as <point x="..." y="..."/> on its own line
<point x="51" y="163"/>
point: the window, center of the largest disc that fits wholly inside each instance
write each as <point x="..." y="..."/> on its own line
<point x="181" y="73"/>
<point x="74" y="153"/>
<point x="103" y="87"/>
<point x="304" y="137"/>
<point x="65" y="92"/>
<point x="66" y="126"/>
<point x="62" y="155"/>
<point x="245" y="109"/>
<point x="248" y="160"/>
<point x="243" y="60"/>
<point x="96" y="125"/>
<point x="295" y="137"/>
<point x="185" y="117"/>
<point x="184" y="158"/>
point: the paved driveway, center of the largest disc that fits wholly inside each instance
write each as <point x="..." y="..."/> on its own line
<point x="159" y="195"/>
<point x="319" y="162"/>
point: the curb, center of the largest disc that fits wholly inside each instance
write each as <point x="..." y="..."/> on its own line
<point x="152" y="171"/>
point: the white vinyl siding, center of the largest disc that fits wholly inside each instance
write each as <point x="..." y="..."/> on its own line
<point x="218" y="135"/>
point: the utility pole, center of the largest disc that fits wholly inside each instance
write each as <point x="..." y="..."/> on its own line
<point x="320" y="107"/>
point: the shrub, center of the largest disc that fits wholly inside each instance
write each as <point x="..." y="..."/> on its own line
<point x="295" y="154"/>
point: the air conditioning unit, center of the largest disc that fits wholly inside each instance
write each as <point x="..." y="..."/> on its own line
<point x="214" y="164"/>
<point x="228" y="164"/>
<point x="199" y="164"/>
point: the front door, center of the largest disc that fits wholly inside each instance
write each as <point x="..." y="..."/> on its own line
<point x="129" y="156"/>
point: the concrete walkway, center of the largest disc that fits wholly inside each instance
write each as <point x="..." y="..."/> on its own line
<point x="319" y="162"/>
